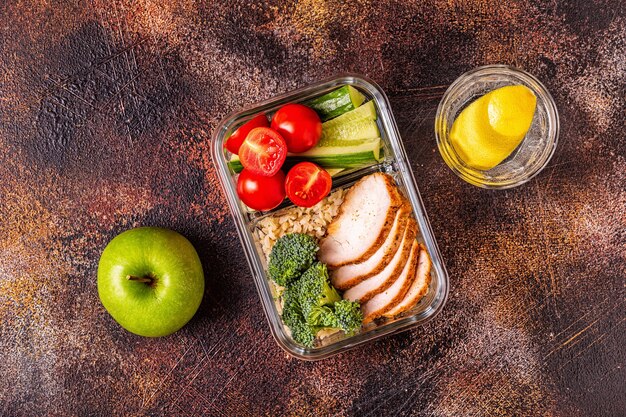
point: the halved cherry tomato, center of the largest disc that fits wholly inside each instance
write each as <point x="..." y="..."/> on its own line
<point x="307" y="184"/>
<point x="299" y="125"/>
<point x="261" y="192"/>
<point x="263" y="152"/>
<point x="236" y="139"/>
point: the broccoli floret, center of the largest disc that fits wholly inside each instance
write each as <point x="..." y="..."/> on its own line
<point x="344" y="314"/>
<point x="301" y="331"/>
<point x="291" y="255"/>
<point x="349" y="315"/>
<point x="313" y="289"/>
<point x="312" y="304"/>
<point x="323" y="318"/>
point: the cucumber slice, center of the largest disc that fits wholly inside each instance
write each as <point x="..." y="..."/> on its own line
<point x="367" y="153"/>
<point x="356" y="131"/>
<point x="335" y="171"/>
<point x="336" y="102"/>
<point x="353" y="156"/>
<point x="356" y="125"/>
<point x="366" y="111"/>
<point x="373" y="145"/>
<point x="235" y="164"/>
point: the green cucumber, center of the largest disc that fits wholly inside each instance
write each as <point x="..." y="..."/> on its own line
<point x="342" y="156"/>
<point x="356" y="131"/>
<point x="235" y="164"/>
<point x="336" y="102"/>
<point x="353" y="156"/>
<point x="356" y="125"/>
<point x="335" y="171"/>
<point x="366" y="111"/>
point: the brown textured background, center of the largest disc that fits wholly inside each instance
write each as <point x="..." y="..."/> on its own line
<point x="106" y="112"/>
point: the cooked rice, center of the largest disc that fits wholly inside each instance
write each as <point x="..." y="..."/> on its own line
<point x="312" y="221"/>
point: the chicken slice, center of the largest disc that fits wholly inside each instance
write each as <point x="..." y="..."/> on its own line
<point x="388" y="299"/>
<point x="367" y="289"/>
<point x="350" y="275"/>
<point x="364" y="221"/>
<point x="418" y="289"/>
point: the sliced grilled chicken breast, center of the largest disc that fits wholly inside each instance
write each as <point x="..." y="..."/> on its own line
<point x="388" y="299"/>
<point x="418" y="289"/>
<point x="350" y="275"/>
<point x="364" y="221"/>
<point x="367" y="289"/>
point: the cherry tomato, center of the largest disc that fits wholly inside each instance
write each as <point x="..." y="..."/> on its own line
<point x="307" y="184"/>
<point x="236" y="139"/>
<point x="263" y="152"/>
<point x="299" y="125"/>
<point x="261" y="192"/>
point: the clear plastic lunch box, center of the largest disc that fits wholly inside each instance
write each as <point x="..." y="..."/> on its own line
<point x="394" y="163"/>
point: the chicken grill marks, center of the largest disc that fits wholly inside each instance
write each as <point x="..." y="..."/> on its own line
<point x="365" y="218"/>
<point x="372" y="251"/>
<point x="352" y="274"/>
<point x="383" y="280"/>
<point x="386" y="300"/>
<point x="419" y="287"/>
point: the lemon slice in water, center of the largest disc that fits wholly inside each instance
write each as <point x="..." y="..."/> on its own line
<point x="490" y="128"/>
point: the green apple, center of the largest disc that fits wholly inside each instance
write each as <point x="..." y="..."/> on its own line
<point x="150" y="280"/>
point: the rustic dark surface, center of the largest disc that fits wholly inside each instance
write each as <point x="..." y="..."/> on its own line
<point x="106" y="112"/>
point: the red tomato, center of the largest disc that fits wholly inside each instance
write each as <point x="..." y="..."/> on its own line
<point x="261" y="192"/>
<point x="236" y="139"/>
<point x="263" y="152"/>
<point x="307" y="184"/>
<point x="299" y="125"/>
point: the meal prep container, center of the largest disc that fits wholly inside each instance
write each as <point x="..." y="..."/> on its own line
<point x="394" y="163"/>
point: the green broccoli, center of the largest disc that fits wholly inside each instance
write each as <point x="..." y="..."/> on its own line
<point x="323" y="317"/>
<point x="312" y="304"/>
<point x="291" y="255"/>
<point x="313" y="289"/>
<point x="344" y="314"/>
<point x="301" y="331"/>
<point x="349" y="315"/>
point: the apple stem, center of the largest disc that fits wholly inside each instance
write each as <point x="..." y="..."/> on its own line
<point x="139" y="279"/>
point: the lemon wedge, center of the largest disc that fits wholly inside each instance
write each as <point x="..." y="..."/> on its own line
<point x="491" y="127"/>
